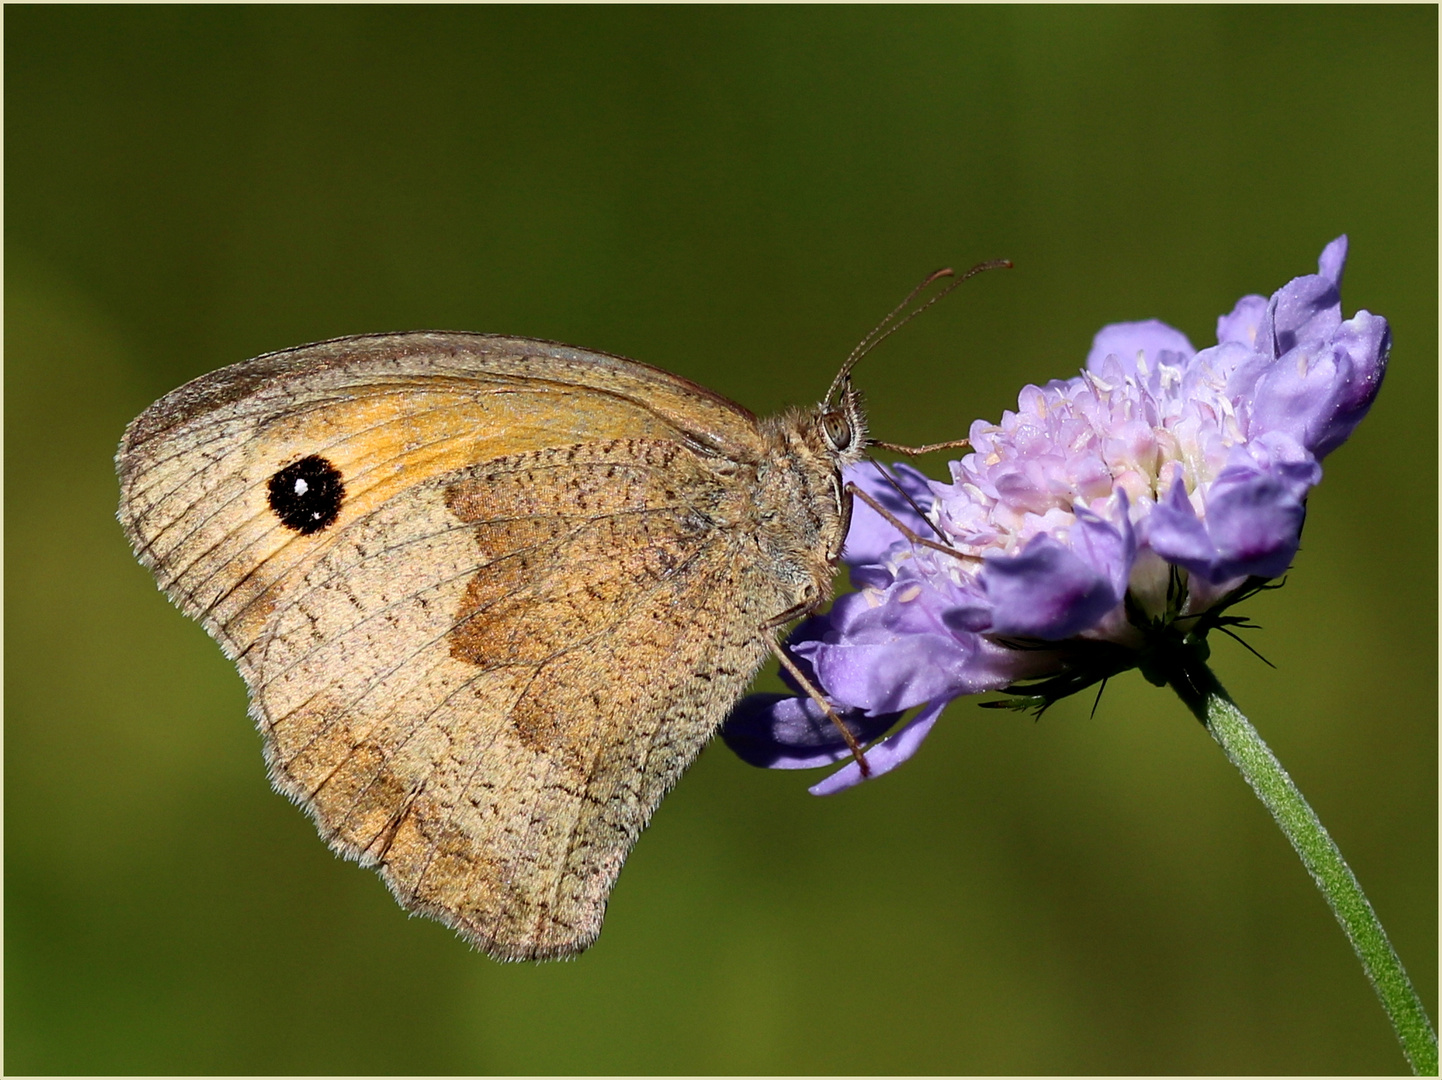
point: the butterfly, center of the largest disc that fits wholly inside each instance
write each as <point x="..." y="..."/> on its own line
<point x="490" y="596"/>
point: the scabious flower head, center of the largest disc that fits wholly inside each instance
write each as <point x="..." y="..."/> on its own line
<point x="1140" y="497"/>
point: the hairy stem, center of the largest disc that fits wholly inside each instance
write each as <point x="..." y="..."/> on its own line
<point x="1204" y="695"/>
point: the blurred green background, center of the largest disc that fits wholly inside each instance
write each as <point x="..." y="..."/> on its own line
<point x="737" y="195"/>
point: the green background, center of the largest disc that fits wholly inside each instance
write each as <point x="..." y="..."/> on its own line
<point x="737" y="195"/>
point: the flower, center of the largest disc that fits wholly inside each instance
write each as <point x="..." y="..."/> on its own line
<point x="1137" y="500"/>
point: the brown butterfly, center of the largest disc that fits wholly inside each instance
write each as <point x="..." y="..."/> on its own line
<point x="490" y="596"/>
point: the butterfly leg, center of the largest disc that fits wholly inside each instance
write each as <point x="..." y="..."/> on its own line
<point x="906" y="530"/>
<point x="820" y="699"/>
<point x="917" y="451"/>
<point x="896" y="487"/>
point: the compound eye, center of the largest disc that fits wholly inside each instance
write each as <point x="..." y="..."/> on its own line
<point x="836" y="429"/>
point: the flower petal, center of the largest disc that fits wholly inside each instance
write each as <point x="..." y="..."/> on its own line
<point x="1176" y="533"/>
<point x="1109" y="549"/>
<point x="1154" y="339"/>
<point x="1253" y="524"/>
<point x="1255" y="521"/>
<point x="1051" y="591"/>
<point x="893" y="675"/>
<point x="1319" y="392"/>
<point x="885" y="755"/>
<point x="1307" y="308"/>
<point x="1244" y="323"/>
<point x="776" y="731"/>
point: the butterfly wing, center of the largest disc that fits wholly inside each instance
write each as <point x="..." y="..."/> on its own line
<point x="490" y="597"/>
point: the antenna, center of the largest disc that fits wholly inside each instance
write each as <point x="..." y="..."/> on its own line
<point x="890" y="325"/>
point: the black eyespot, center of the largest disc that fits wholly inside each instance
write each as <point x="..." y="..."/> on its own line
<point x="836" y="429"/>
<point x="306" y="496"/>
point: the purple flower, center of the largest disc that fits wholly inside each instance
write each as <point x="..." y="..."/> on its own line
<point x="1141" y="497"/>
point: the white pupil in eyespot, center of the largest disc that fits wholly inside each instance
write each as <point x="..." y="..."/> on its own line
<point x="301" y="487"/>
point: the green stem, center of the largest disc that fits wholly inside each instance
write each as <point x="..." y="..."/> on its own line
<point x="1204" y="695"/>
